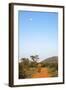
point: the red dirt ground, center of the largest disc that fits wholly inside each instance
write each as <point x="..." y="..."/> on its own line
<point x="43" y="72"/>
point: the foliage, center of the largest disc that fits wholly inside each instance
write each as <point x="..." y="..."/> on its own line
<point x="34" y="58"/>
<point x="28" y="67"/>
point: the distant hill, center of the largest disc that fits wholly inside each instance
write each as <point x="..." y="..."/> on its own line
<point x="51" y="60"/>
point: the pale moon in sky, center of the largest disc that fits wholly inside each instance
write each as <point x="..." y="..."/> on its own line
<point x="30" y="19"/>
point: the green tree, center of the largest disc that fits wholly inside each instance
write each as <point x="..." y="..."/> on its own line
<point x="34" y="58"/>
<point x="24" y="68"/>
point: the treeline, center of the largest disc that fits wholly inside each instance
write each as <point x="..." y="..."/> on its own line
<point x="27" y="67"/>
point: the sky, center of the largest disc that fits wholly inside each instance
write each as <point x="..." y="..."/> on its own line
<point x="38" y="34"/>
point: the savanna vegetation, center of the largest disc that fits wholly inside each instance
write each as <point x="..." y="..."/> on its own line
<point x="31" y="68"/>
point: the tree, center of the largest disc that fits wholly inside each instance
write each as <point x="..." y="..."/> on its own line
<point x="25" y="61"/>
<point x="24" y="68"/>
<point x="34" y="58"/>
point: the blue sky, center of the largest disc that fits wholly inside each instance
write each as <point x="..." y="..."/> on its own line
<point x="38" y="34"/>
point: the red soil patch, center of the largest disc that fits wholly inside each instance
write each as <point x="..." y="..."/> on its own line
<point x="41" y="72"/>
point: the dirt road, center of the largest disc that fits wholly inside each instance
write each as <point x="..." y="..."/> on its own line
<point x="43" y="72"/>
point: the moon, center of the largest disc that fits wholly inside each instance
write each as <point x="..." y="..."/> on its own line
<point x="30" y="19"/>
